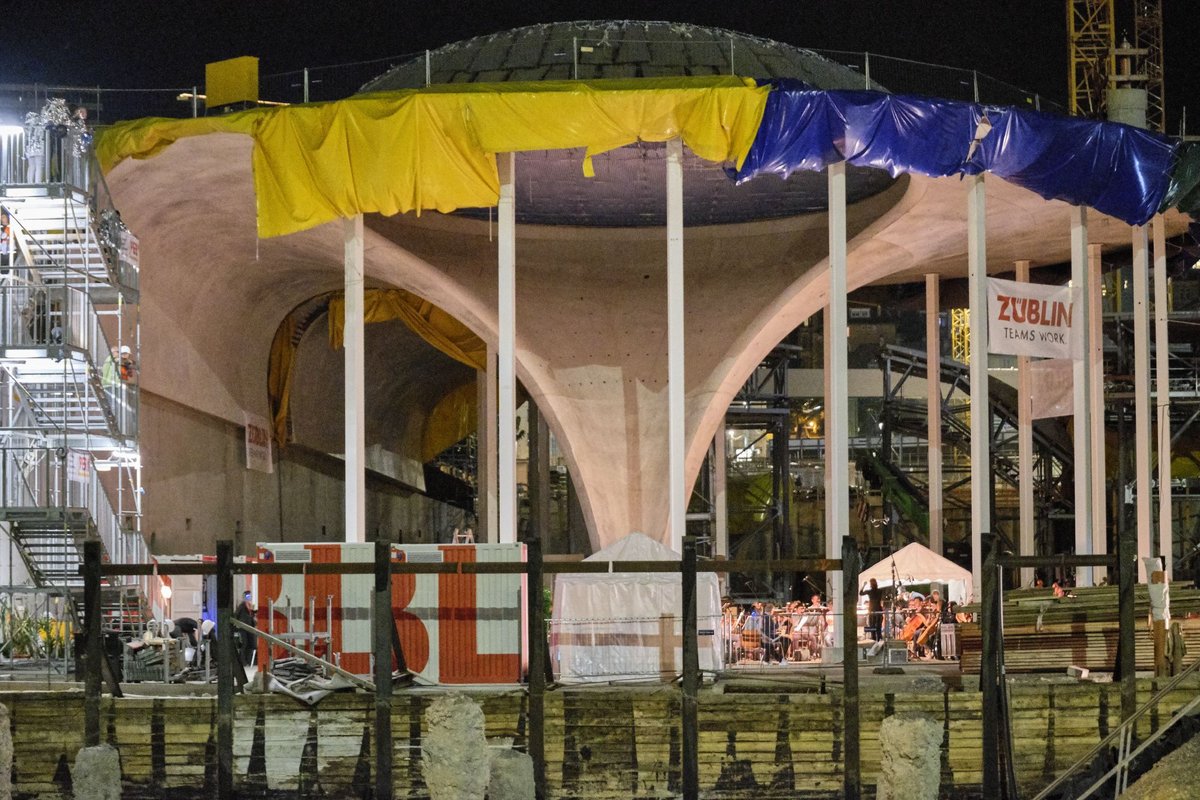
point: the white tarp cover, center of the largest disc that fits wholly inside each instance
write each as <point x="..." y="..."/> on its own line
<point x="916" y="563"/>
<point x="611" y="626"/>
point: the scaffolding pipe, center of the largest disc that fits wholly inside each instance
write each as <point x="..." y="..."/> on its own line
<point x="981" y="473"/>
<point x="1141" y="396"/>
<point x="676" y="409"/>
<point x="1025" y="450"/>
<point x="1082" y="424"/>
<point x="933" y="404"/>
<point x="1162" y="371"/>
<point x="837" y="436"/>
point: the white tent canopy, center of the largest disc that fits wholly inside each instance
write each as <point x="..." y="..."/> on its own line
<point x="627" y="625"/>
<point x="916" y="563"/>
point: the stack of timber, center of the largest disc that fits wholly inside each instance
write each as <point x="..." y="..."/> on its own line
<point x="1043" y="633"/>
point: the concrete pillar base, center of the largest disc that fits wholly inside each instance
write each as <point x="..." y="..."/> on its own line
<point x="910" y="757"/>
<point x="454" y="751"/>
<point x="97" y="773"/>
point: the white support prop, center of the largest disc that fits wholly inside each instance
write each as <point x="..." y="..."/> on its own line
<point x="506" y="428"/>
<point x="1094" y="292"/>
<point x="487" y="480"/>
<point x="933" y="401"/>
<point x="355" y="445"/>
<point x="720" y="482"/>
<point x="1083" y="380"/>
<point x="1162" y="370"/>
<point x="1141" y="396"/>
<point x="981" y="417"/>
<point x="837" y="412"/>
<point x="1025" y="451"/>
<point x="676" y="410"/>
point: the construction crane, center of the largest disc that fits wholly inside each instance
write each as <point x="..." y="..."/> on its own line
<point x="1091" y="30"/>
<point x="1092" y="36"/>
<point x="1148" y="37"/>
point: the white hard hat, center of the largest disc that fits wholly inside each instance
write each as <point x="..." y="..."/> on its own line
<point x="125" y="350"/>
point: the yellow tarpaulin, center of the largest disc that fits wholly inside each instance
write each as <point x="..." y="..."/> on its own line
<point x="434" y="149"/>
<point x="453" y="417"/>
<point x="425" y="319"/>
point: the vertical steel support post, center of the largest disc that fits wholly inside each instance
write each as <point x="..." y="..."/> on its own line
<point x="690" y="685"/>
<point x="487" y="508"/>
<point x="1127" y="563"/>
<point x="676" y="392"/>
<point x="93" y="643"/>
<point x="981" y="416"/>
<point x="1025" y="451"/>
<point x="851" y="758"/>
<point x="355" y="381"/>
<point x="226" y="663"/>
<point x="837" y="430"/>
<point x="1142" y="436"/>
<point x="933" y="405"/>
<point x="382" y="627"/>
<point x="1162" y="370"/>
<point x="539" y="474"/>
<point x="1093" y="287"/>
<point x="506" y="449"/>
<point x="535" y="608"/>
<point x="1081" y="325"/>
<point x="720" y="482"/>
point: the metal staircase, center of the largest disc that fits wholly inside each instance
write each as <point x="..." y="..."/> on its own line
<point x="69" y="461"/>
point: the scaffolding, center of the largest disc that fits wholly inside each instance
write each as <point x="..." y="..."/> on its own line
<point x="1148" y="38"/>
<point x="70" y="467"/>
<point x="1092" y="38"/>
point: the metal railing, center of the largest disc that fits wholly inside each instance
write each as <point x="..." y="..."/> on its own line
<point x="33" y="477"/>
<point x="49" y="317"/>
<point x="580" y="58"/>
<point x="50" y="158"/>
<point x="1122" y="737"/>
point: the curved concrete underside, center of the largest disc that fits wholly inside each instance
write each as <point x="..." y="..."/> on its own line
<point x="591" y="303"/>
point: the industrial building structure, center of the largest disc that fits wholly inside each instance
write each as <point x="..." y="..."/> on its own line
<point x="674" y="338"/>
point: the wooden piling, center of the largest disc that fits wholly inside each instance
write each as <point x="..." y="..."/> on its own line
<point x="226" y="664"/>
<point x="93" y="643"/>
<point x="536" y="726"/>
<point x="382" y="626"/>
<point x="851" y="754"/>
<point x="690" y="686"/>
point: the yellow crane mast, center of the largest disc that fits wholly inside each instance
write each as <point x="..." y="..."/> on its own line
<point x="1092" y="37"/>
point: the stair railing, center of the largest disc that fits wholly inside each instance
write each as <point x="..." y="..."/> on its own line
<point x="1122" y="736"/>
<point x="110" y="231"/>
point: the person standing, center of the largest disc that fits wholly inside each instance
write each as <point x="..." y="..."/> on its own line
<point x="245" y="615"/>
<point x="874" y="609"/>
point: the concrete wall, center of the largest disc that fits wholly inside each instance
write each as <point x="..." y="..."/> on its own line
<point x="198" y="490"/>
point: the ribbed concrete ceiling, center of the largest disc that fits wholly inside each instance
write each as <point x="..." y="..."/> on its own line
<point x="629" y="187"/>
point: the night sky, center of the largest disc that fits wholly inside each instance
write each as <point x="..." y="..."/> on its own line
<point x="165" y="44"/>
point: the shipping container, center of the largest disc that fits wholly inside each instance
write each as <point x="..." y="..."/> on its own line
<point x="453" y="628"/>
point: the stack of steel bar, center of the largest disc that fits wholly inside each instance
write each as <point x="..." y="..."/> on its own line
<point x="1047" y="633"/>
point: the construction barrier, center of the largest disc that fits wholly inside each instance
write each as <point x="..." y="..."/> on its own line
<point x="453" y="628"/>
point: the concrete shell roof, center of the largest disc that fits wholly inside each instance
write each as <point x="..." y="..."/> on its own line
<point x="591" y="309"/>
<point x="615" y="49"/>
<point x="628" y="188"/>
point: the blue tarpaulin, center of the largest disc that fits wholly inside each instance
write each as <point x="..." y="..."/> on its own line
<point x="1116" y="169"/>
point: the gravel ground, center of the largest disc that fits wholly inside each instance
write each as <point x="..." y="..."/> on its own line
<point x="1172" y="778"/>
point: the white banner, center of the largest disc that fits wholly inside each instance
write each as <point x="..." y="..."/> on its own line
<point x="1030" y="319"/>
<point x="130" y="249"/>
<point x="258" y="443"/>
